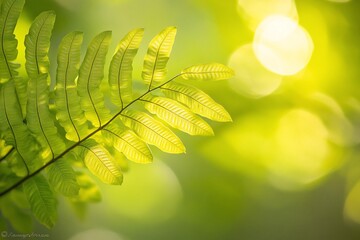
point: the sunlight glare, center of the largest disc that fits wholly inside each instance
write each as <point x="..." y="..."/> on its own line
<point x="251" y="78"/>
<point x="254" y="11"/>
<point x="282" y="46"/>
<point x="150" y="193"/>
<point x="302" y="140"/>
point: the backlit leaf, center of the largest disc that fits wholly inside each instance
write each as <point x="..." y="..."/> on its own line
<point x="157" y="56"/>
<point x="196" y="100"/>
<point x="63" y="178"/>
<point x="120" y="74"/>
<point x="10" y="12"/>
<point x="90" y="76"/>
<point x="152" y="131"/>
<point x="214" y="71"/>
<point x="42" y="200"/>
<point x="177" y="115"/>
<point x="98" y="160"/>
<point x="67" y="101"/>
<point x="128" y="143"/>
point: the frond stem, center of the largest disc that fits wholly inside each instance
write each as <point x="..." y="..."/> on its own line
<point x="7" y="154"/>
<point x="54" y="159"/>
<point x="2" y="41"/>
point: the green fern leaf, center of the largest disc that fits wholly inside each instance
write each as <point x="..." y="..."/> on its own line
<point x="99" y="161"/>
<point x="120" y="74"/>
<point x="196" y="100"/>
<point x="157" y="56"/>
<point x="90" y="77"/>
<point x="39" y="118"/>
<point x="63" y="178"/>
<point x="67" y="101"/>
<point x="21" y="90"/>
<point x="4" y="149"/>
<point x="152" y="131"/>
<point x="128" y="143"/>
<point x="214" y="71"/>
<point x="42" y="200"/>
<point x="177" y="115"/>
<point x="10" y="12"/>
<point x="37" y="44"/>
<point x="13" y="129"/>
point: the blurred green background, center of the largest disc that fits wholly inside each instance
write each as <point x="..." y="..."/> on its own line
<point x="288" y="166"/>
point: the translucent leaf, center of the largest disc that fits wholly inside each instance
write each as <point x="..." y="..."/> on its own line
<point x="67" y="101"/>
<point x="152" y="131"/>
<point x="42" y="200"/>
<point x="39" y="119"/>
<point x="63" y="178"/>
<point x="21" y="91"/>
<point x="13" y="129"/>
<point x="120" y="74"/>
<point x="98" y="160"/>
<point x="10" y="12"/>
<point x="196" y="100"/>
<point x="4" y="149"/>
<point x="90" y="76"/>
<point x="37" y="44"/>
<point x="177" y="115"/>
<point x="128" y="143"/>
<point x="214" y="71"/>
<point x="157" y="56"/>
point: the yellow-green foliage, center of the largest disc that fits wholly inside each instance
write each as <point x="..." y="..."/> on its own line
<point x="78" y="130"/>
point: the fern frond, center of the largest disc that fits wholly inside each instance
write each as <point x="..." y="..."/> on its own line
<point x="177" y="115"/>
<point x="101" y="142"/>
<point x="152" y="131"/>
<point x="99" y="161"/>
<point x="128" y="143"/>
<point x="62" y="178"/>
<point x="157" y="56"/>
<point x="41" y="199"/>
<point x="213" y="71"/>
<point x="39" y="118"/>
<point x="120" y="73"/>
<point x="90" y="76"/>
<point x="197" y="101"/>
<point x="67" y="101"/>
<point x="10" y="12"/>
<point x="37" y="44"/>
<point x="14" y="131"/>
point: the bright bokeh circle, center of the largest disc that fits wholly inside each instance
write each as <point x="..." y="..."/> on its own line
<point x="282" y="45"/>
<point x="251" y="78"/>
<point x="255" y="11"/>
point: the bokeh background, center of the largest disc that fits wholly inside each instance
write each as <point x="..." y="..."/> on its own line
<point x="288" y="166"/>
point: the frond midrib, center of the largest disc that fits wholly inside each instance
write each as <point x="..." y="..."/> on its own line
<point x="65" y="87"/>
<point x="2" y="40"/>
